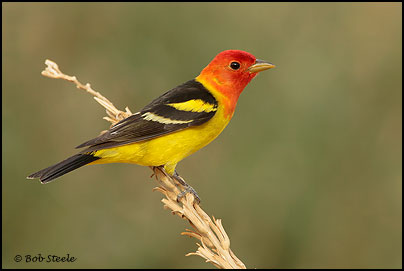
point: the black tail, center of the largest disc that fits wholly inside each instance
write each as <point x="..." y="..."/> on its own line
<point x="48" y="174"/>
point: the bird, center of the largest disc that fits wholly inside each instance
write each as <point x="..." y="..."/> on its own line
<point x="172" y="126"/>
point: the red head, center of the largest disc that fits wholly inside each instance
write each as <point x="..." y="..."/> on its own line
<point x="230" y="72"/>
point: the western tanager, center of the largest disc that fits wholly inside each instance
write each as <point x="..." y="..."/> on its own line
<point x="173" y="126"/>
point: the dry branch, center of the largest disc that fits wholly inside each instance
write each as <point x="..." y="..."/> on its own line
<point x="215" y="244"/>
<point x="114" y="115"/>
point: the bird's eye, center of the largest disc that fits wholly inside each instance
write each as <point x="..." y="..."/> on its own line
<point x="235" y="65"/>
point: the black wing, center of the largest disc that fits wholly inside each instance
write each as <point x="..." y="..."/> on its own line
<point x="164" y="115"/>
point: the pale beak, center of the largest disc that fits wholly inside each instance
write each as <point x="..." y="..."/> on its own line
<point x="260" y="65"/>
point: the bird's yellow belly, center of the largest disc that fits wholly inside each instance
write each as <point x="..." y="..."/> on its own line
<point x="168" y="149"/>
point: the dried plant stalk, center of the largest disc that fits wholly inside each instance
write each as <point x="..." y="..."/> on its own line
<point x="215" y="243"/>
<point x="114" y="115"/>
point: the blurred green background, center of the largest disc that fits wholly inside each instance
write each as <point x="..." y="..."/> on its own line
<point x="307" y="175"/>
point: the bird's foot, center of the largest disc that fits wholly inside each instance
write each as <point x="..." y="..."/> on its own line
<point x="188" y="189"/>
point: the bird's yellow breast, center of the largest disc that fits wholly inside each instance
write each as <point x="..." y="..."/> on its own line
<point x="168" y="149"/>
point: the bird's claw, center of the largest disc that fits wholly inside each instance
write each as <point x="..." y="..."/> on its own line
<point x="189" y="189"/>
